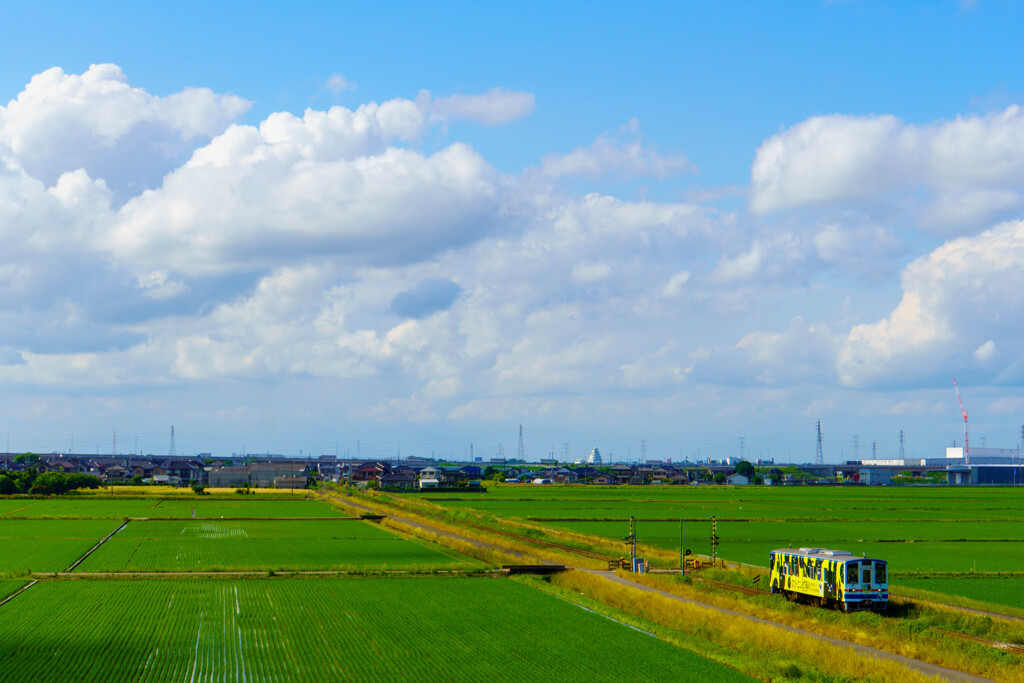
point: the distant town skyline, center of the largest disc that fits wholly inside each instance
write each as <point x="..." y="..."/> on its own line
<point x="705" y="227"/>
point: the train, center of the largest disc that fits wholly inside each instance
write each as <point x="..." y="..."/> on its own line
<point x="835" y="579"/>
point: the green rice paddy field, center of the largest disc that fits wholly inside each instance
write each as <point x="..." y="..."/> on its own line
<point x="994" y="590"/>
<point x="49" y="545"/>
<point x="365" y="629"/>
<point x="259" y="545"/>
<point x="933" y="530"/>
<point x="121" y="507"/>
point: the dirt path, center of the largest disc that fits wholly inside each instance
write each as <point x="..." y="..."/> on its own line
<point x="441" y="532"/>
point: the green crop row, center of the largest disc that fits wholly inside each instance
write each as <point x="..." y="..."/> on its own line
<point x="99" y="507"/>
<point x="48" y="545"/>
<point x="315" y="630"/>
<point x="261" y="545"/>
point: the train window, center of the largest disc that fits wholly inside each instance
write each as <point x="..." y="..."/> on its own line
<point x="852" y="572"/>
<point x="880" y="572"/>
<point x="866" y="578"/>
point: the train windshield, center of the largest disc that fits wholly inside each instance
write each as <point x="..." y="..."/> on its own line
<point x="852" y="572"/>
<point x="880" y="572"/>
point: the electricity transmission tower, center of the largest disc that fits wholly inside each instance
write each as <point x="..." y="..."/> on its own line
<point x="819" y="458"/>
<point x="172" y="451"/>
<point x="521" y="451"/>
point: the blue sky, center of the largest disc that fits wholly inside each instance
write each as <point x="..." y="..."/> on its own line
<point x="416" y="227"/>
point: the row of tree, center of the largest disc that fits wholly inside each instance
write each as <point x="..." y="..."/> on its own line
<point x="48" y="483"/>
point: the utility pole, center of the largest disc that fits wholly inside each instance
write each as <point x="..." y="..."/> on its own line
<point x="682" y="565"/>
<point x="901" y="444"/>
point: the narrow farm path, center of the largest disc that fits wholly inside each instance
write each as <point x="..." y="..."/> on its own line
<point x="93" y="549"/>
<point x="446" y="534"/>
<point x="915" y="664"/>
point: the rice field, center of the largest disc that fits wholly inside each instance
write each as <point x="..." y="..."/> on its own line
<point x="917" y="529"/>
<point x="325" y="629"/>
<point x="48" y="545"/>
<point x="263" y="545"/>
<point x="1004" y="590"/>
<point x="120" y="507"/>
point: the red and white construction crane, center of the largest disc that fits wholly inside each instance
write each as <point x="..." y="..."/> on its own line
<point x="963" y="411"/>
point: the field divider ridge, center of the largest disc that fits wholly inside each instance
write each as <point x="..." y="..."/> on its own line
<point x="93" y="549"/>
<point x="18" y="592"/>
<point x="246" y="519"/>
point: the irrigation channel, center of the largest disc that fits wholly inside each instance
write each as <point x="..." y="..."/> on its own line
<point x="919" y="665"/>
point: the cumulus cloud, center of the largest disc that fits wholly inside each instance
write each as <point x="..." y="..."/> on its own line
<point x="972" y="165"/>
<point x="99" y="122"/>
<point x="623" y="153"/>
<point x="256" y="196"/>
<point x="959" y="302"/>
<point x="492" y="108"/>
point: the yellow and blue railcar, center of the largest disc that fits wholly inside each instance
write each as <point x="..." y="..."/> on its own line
<point x="830" y="578"/>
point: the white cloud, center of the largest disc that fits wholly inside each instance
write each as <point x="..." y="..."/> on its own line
<point x="492" y="108"/>
<point x="958" y="302"/>
<point x="98" y="121"/>
<point x="972" y="165"/>
<point x="337" y="83"/>
<point x="741" y="267"/>
<point x="674" y="287"/>
<point x="256" y="198"/>
<point x="624" y="154"/>
<point x="986" y="351"/>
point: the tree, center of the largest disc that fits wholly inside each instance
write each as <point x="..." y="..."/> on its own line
<point x="719" y="477"/>
<point x="27" y="459"/>
<point x="7" y="485"/>
<point x="746" y="469"/>
<point x="137" y="480"/>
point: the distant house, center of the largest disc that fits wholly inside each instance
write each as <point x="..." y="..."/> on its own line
<point x="398" y="480"/>
<point x="602" y="479"/>
<point x="265" y="474"/>
<point x="737" y="479"/>
<point x="564" y="475"/>
<point x="291" y="481"/>
<point x="228" y="477"/>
